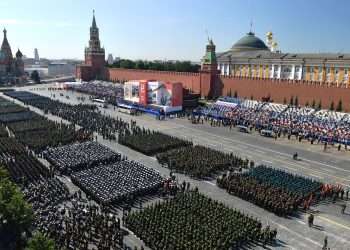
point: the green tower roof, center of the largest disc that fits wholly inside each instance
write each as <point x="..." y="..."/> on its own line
<point x="210" y="55"/>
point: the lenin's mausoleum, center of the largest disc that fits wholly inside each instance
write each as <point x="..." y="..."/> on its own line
<point x="252" y="68"/>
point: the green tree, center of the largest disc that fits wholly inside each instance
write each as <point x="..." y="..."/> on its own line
<point x="235" y="94"/>
<point x="313" y="104"/>
<point x="155" y="65"/>
<point x="35" y="76"/>
<point x="291" y="102"/>
<point x="170" y="66"/>
<point x="16" y="215"/>
<point x="3" y="174"/>
<point x="180" y="66"/>
<point x="40" y="242"/>
<point x="339" y="106"/>
<point x="296" y="101"/>
<point x="116" y="64"/>
<point x="331" y="107"/>
<point x="140" y="64"/>
<point x="127" y="64"/>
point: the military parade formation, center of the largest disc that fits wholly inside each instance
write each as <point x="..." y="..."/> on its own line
<point x="198" y="161"/>
<point x="70" y="220"/>
<point x="275" y="190"/>
<point x="80" y="156"/>
<point x="35" y="131"/>
<point x="115" y="182"/>
<point x="142" y="140"/>
<point x="86" y="116"/>
<point x="194" y="221"/>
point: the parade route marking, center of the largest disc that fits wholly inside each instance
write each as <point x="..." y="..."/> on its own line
<point x="317" y="176"/>
<point x="308" y="173"/>
<point x="301" y="222"/>
<point x="260" y="149"/>
<point x="210" y="183"/>
<point x="328" y="170"/>
<point x="333" y="222"/>
<point x="299" y="235"/>
<point x="322" y="171"/>
<point x="341" y="239"/>
<point x="269" y="162"/>
<point x="316" y="171"/>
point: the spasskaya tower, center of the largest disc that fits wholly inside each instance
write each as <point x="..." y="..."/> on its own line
<point x="94" y="65"/>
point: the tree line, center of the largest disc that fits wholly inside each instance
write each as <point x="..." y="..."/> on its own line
<point x="178" y="66"/>
<point x="295" y="101"/>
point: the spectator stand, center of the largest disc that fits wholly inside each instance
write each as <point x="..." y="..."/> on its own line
<point x="304" y="122"/>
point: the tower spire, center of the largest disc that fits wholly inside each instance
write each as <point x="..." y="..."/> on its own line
<point x="93" y="19"/>
<point x="206" y="32"/>
<point x="251" y="26"/>
<point x="6" y="48"/>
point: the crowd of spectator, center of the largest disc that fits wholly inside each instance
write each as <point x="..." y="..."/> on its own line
<point x="107" y="90"/>
<point x="306" y="123"/>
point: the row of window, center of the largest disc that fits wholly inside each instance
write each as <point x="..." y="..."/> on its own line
<point x="314" y="73"/>
<point x="288" y="68"/>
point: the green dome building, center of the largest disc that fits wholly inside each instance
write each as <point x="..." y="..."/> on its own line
<point x="249" y="42"/>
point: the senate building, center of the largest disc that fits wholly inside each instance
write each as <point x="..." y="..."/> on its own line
<point x="251" y="57"/>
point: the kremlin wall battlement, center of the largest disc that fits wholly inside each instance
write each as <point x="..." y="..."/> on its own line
<point x="246" y="87"/>
<point x="189" y="80"/>
<point x="278" y="90"/>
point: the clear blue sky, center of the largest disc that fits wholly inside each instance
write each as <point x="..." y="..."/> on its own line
<point x="172" y="29"/>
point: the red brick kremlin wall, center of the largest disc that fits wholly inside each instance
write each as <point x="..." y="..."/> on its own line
<point x="306" y="91"/>
<point x="245" y="87"/>
<point x="189" y="80"/>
